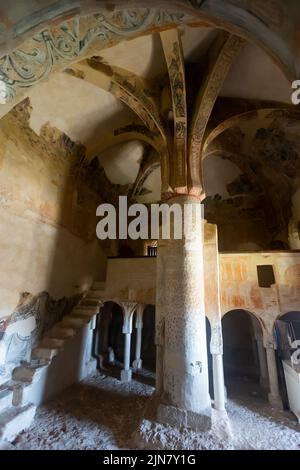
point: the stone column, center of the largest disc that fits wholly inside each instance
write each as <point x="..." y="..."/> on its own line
<point x="274" y="395"/>
<point x="128" y="310"/>
<point x="185" y="374"/>
<point x="137" y="363"/>
<point x="260" y="353"/>
<point x="159" y="314"/>
<point x="263" y="367"/>
<point x="216" y="349"/>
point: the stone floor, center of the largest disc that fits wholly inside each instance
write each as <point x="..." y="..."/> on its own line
<point x="103" y="413"/>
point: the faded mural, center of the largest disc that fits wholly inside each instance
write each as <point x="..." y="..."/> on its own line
<point x="58" y="45"/>
<point x="25" y="327"/>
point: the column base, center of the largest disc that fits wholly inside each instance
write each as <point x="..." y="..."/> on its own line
<point x="111" y="356"/>
<point x="177" y="433"/>
<point x="178" y="418"/>
<point x="221" y="424"/>
<point x="264" y="383"/>
<point x="137" y="364"/>
<point x="90" y="367"/>
<point x="126" y="375"/>
<point x="275" y="401"/>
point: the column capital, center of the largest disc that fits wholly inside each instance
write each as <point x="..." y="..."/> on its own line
<point x="128" y="307"/>
<point x="128" y="311"/>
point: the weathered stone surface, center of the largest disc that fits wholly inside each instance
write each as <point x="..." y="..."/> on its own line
<point x="15" y="420"/>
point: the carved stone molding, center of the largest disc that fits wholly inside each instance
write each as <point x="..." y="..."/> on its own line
<point x="128" y="311"/>
<point x="172" y="47"/>
<point x="231" y="45"/>
<point x="57" y="46"/>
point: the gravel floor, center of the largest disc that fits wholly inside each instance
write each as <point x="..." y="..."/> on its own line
<point x="103" y="413"/>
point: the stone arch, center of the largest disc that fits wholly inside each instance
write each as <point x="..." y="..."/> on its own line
<point x="85" y="32"/>
<point x="115" y="82"/>
<point x="232" y="121"/>
<point x="111" y="140"/>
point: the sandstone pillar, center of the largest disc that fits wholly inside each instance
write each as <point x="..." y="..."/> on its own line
<point x="137" y="363"/>
<point x="128" y="310"/>
<point x="274" y="395"/>
<point x="185" y="370"/>
<point x="159" y="314"/>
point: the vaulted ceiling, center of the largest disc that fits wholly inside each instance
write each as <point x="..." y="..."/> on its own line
<point x="183" y="100"/>
<point x="112" y="131"/>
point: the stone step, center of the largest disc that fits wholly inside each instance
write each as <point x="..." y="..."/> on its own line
<point x="72" y="322"/>
<point x="92" y="310"/>
<point x="90" y="302"/>
<point x="61" y="332"/>
<point x="52" y="343"/>
<point x="44" y="354"/>
<point x="6" y="394"/>
<point x="15" y="420"/>
<point x="94" y="295"/>
<point x="98" y="285"/>
<point x="84" y="315"/>
<point x="29" y="373"/>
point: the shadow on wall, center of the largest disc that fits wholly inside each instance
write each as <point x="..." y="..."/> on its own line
<point x="50" y="254"/>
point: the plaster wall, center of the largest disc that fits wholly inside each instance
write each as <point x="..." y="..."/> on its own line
<point x="239" y="289"/>
<point x="49" y="251"/>
<point x="131" y="278"/>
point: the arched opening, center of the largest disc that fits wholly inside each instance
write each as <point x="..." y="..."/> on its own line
<point x="244" y="356"/>
<point x="109" y="341"/>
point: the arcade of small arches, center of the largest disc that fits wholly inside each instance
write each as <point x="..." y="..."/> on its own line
<point x="249" y="359"/>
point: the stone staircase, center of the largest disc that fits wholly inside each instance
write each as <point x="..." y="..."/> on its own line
<point x="16" y="411"/>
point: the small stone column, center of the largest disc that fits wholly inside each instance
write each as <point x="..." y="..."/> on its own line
<point x="216" y="349"/>
<point x="274" y="395"/>
<point x="128" y="310"/>
<point x="263" y="366"/>
<point x="260" y="353"/>
<point x="137" y="363"/>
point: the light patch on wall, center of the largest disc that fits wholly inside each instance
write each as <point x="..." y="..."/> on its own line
<point x="254" y="75"/>
<point x="79" y="109"/>
<point x="121" y="162"/>
<point x="195" y="42"/>
<point x="218" y="173"/>
<point x="142" y="56"/>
